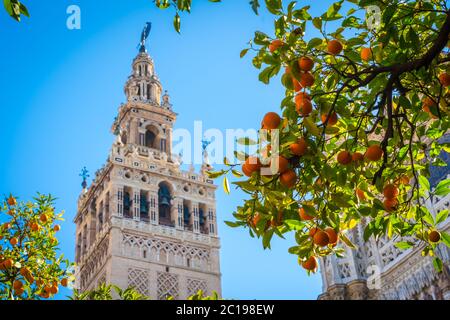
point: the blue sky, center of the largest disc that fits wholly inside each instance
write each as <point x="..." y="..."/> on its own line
<point x="61" y="90"/>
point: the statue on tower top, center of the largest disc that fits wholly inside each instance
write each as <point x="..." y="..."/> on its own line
<point x="144" y="36"/>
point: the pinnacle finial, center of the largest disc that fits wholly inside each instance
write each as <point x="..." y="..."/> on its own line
<point x="84" y="175"/>
<point x="144" y="36"/>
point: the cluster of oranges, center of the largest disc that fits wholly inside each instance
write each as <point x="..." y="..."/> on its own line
<point x="390" y="192"/>
<point x="321" y="238"/>
<point x="373" y="153"/>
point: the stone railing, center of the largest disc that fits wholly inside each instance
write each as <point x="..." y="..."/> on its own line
<point x="164" y="231"/>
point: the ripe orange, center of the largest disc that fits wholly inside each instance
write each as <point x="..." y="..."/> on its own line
<point x="246" y="170"/>
<point x="334" y="47"/>
<point x="390" y="204"/>
<point x="360" y="194"/>
<point x="288" y="178"/>
<point x="253" y="164"/>
<point x="275" y="44"/>
<point x="19" y="292"/>
<point x="374" y="153"/>
<point x="43" y="218"/>
<point x="321" y="238"/>
<point x="13" y="241"/>
<point x="57" y="227"/>
<point x="54" y="289"/>
<point x="404" y="179"/>
<point x="344" y="158"/>
<point x="11" y="201"/>
<point x="65" y="281"/>
<point x="434" y="236"/>
<point x="303" y="215"/>
<point x="17" y="284"/>
<point x="8" y="263"/>
<point x="271" y="121"/>
<point x="310" y="264"/>
<point x="332" y="119"/>
<point x="390" y="191"/>
<point x="6" y="225"/>
<point x="303" y="107"/>
<point x="45" y="295"/>
<point x="313" y="231"/>
<point x="34" y="226"/>
<point x="296" y="84"/>
<point x="332" y="235"/>
<point x="299" y="148"/>
<point x="306" y="80"/>
<point x="444" y="78"/>
<point x="305" y="63"/>
<point x="301" y="96"/>
<point x="24" y="271"/>
<point x="366" y="54"/>
<point x="283" y="164"/>
<point x="278" y="221"/>
<point x="357" y="156"/>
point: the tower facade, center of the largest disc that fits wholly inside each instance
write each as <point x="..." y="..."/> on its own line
<point x="379" y="270"/>
<point x="143" y="222"/>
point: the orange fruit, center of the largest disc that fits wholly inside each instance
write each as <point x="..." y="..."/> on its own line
<point x="283" y="164"/>
<point x="357" y="156"/>
<point x="404" y="179"/>
<point x="275" y="44"/>
<point x="57" y="227"/>
<point x="271" y="121"/>
<point x="13" y="241"/>
<point x="390" y="191"/>
<point x="332" y="119"/>
<point x="310" y="264"/>
<point x="366" y="54"/>
<point x="246" y="170"/>
<point x="45" y="295"/>
<point x="11" y="201"/>
<point x="374" y="153"/>
<point x="43" y="217"/>
<point x="303" y="215"/>
<point x="444" y="79"/>
<point x="303" y="107"/>
<point x="54" y="289"/>
<point x="34" y="226"/>
<point x="305" y="63"/>
<point x="296" y="84"/>
<point x="332" y="235"/>
<point x="8" y="263"/>
<point x="278" y="221"/>
<point x="360" y="194"/>
<point x="313" y="231"/>
<point x="306" y="80"/>
<point x="390" y="204"/>
<point x="253" y="163"/>
<point x="434" y="236"/>
<point x="321" y="238"/>
<point x="288" y="178"/>
<point x="301" y="96"/>
<point x="299" y="148"/>
<point x="6" y="225"/>
<point x="65" y="281"/>
<point x="344" y="157"/>
<point x="19" y="292"/>
<point x="334" y="47"/>
<point x="17" y="284"/>
<point x="24" y="271"/>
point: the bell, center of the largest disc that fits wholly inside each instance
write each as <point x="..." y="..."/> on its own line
<point x="165" y="202"/>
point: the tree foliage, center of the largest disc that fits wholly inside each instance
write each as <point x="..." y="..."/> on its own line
<point x="30" y="267"/>
<point x="111" y="292"/>
<point x="368" y="101"/>
<point x="15" y="9"/>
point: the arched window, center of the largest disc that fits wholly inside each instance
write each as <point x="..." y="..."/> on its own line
<point x="149" y="93"/>
<point x="126" y="204"/>
<point x="150" y="138"/>
<point x="164" y="199"/>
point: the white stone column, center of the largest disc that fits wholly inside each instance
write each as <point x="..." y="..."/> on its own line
<point x="153" y="207"/>
<point x="195" y="218"/>
<point x="211" y="220"/>
<point x="177" y="209"/>
<point x="118" y="210"/>
<point x="136" y="204"/>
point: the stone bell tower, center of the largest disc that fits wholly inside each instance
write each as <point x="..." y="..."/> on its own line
<point x="143" y="222"/>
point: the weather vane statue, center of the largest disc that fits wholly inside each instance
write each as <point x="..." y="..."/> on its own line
<point x="84" y="175"/>
<point x="144" y="36"/>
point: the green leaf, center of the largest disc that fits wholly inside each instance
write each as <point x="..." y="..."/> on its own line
<point x="404" y="245"/>
<point x="437" y="263"/>
<point x="424" y="183"/>
<point x="226" y="185"/>
<point x="443" y="188"/>
<point x="177" y="23"/>
<point x="243" y="53"/>
<point x="268" y="73"/>
<point x="441" y="216"/>
<point x="255" y="5"/>
<point x="314" y="42"/>
<point x="317" y="22"/>
<point x="347" y="241"/>
<point x="267" y="237"/>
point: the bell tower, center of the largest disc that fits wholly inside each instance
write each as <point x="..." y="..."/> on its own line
<point x="143" y="222"/>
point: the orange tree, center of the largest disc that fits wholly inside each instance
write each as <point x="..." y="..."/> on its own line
<point x="365" y="105"/>
<point x="29" y="265"/>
